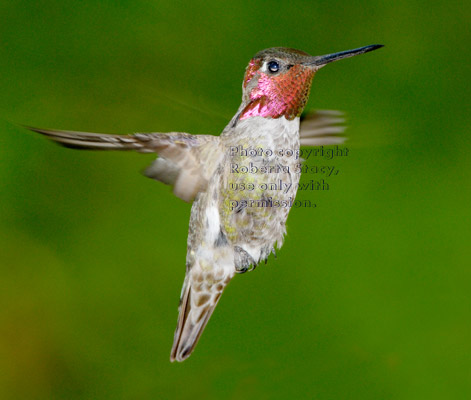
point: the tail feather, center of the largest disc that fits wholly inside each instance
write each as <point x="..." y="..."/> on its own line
<point x="197" y="306"/>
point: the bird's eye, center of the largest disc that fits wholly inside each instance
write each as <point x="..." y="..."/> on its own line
<point x="273" y="66"/>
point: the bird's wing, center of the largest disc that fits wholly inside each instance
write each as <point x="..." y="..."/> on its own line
<point x="322" y="128"/>
<point x="185" y="161"/>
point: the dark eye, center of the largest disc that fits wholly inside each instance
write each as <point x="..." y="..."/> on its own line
<point x="273" y="66"/>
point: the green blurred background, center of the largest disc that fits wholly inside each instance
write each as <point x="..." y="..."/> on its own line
<point x="369" y="297"/>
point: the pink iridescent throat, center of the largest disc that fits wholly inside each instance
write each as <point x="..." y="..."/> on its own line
<point x="276" y="96"/>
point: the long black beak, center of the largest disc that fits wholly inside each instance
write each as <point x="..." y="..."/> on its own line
<point x="320" y="61"/>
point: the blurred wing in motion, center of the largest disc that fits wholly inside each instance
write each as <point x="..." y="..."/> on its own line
<point x="184" y="160"/>
<point x="322" y="128"/>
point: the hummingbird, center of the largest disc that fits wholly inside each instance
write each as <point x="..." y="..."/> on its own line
<point x="231" y="231"/>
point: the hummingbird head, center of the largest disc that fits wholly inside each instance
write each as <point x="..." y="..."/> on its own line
<point x="277" y="81"/>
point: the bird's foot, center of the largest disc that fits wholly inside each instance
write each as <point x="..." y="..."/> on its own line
<point x="243" y="261"/>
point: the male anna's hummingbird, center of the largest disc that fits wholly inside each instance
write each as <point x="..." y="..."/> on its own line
<point x="237" y="217"/>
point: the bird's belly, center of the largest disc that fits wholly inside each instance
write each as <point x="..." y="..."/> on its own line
<point x="257" y="198"/>
<point x="258" y="185"/>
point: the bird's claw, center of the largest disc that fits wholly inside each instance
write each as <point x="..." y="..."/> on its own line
<point x="243" y="261"/>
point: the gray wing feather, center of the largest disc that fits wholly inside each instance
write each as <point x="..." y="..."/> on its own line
<point x="182" y="162"/>
<point x="322" y="128"/>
